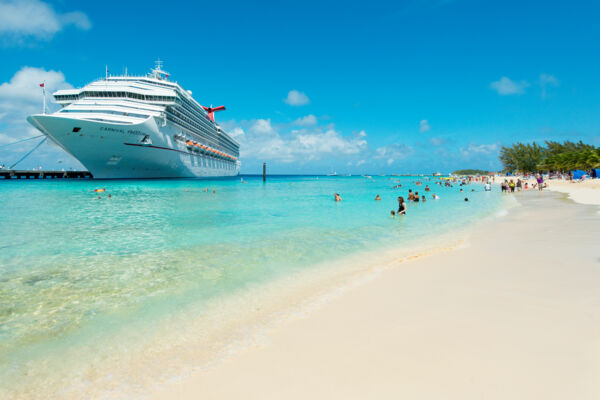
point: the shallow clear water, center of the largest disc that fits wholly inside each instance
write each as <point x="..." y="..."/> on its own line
<point x="75" y="268"/>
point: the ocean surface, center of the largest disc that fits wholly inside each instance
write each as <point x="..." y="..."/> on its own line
<point x="101" y="296"/>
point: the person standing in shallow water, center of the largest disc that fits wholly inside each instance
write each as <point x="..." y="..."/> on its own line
<point x="401" y="206"/>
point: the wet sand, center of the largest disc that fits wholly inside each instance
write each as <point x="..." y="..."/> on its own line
<point x="512" y="315"/>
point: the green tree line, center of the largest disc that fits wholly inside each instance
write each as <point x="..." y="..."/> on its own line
<point x="553" y="156"/>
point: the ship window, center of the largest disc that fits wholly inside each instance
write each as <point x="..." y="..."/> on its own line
<point x="76" y="129"/>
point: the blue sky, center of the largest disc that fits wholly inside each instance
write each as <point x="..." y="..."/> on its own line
<point x="315" y="87"/>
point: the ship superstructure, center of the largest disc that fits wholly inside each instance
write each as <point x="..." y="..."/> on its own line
<point x="140" y="127"/>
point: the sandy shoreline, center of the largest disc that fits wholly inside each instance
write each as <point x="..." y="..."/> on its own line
<point x="584" y="192"/>
<point x="514" y="315"/>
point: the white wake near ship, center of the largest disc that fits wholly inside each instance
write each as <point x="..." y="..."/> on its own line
<point x="140" y="127"/>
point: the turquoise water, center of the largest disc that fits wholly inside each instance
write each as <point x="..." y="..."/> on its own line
<point x="77" y="266"/>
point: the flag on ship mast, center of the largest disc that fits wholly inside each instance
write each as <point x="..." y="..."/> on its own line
<point x="43" y="86"/>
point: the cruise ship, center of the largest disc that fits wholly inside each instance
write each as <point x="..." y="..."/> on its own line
<point x="140" y="127"/>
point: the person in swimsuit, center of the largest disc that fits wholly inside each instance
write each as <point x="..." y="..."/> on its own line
<point x="377" y="198"/>
<point x="416" y="199"/>
<point x="411" y="195"/>
<point x="337" y="197"/>
<point x="401" y="206"/>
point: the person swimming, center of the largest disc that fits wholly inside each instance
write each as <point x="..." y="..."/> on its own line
<point x="435" y="196"/>
<point x="411" y="195"/>
<point x="401" y="206"/>
<point x="466" y="199"/>
<point x="337" y="197"/>
<point x="393" y="214"/>
<point x="423" y="199"/>
<point x="417" y="198"/>
<point x="377" y="198"/>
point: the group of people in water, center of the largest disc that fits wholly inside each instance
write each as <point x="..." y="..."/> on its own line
<point x="413" y="197"/>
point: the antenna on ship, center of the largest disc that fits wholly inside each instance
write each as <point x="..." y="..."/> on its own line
<point x="158" y="71"/>
<point x="106" y="71"/>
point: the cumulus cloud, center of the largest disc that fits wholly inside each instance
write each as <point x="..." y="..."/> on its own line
<point x="22" y="96"/>
<point x="296" y="98"/>
<point x="424" y="126"/>
<point x="505" y="86"/>
<point x="475" y="149"/>
<point x="34" y="18"/>
<point x="437" y="141"/>
<point x="393" y="152"/>
<point x="306" y="121"/>
<point x="547" y="80"/>
<point x="262" y="140"/>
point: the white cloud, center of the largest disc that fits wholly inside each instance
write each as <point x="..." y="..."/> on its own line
<point x="34" y="18"/>
<point x="475" y="149"/>
<point x="23" y="89"/>
<point x="306" y="121"/>
<point x="262" y="127"/>
<point x="362" y="134"/>
<point x="20" y="97"/>
<point x="394" y="152"/>
<point x="506" y="86"/>
<point x="296" y="98"/>
<point x="264" y="141"/>
<point x="437" y="141"/>
<point x="424" y="126"/>
<point x="360" y="162"/>
<point x="236" y="132"/>
<point x="545" y="81"/>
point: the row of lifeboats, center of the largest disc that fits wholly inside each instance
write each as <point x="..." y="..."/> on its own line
<point x="195" y="146"/>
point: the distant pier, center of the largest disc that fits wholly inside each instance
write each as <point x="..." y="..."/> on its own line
<point x="23" y="174"/>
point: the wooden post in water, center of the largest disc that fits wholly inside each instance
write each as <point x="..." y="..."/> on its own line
<point x="264" y="172"/>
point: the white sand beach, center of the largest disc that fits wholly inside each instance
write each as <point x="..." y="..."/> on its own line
<point x="584" y="192"/>
<point x="512" y="315"/>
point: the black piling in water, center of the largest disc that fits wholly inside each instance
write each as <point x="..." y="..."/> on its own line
<point x="264" y="172"/>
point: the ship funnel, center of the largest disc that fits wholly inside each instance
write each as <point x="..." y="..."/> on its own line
<point x="212" y="110"/>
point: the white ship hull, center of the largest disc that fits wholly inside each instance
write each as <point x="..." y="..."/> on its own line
<point x="143" y="150"/>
